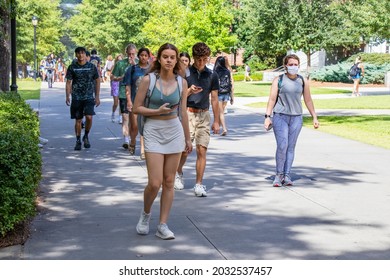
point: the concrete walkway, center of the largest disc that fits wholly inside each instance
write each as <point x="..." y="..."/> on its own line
<point x="91" y="199"/>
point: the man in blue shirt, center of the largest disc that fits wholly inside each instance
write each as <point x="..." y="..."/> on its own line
<point x="82" y="83"/>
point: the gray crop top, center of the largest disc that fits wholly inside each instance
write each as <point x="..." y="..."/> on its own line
<point x="157" y="99"/>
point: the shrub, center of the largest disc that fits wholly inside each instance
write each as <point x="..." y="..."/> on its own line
<point x="20" y="161"/>
<point x="373" y="73"/>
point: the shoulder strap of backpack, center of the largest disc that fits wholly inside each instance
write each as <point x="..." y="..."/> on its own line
<point x="303" y="82"/>
<point x="179" y="80"/>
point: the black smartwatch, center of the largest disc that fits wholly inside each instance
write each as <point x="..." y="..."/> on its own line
<point x="267" y="116"/>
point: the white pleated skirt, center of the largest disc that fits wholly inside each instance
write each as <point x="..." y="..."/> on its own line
<point x="164" y="136"/>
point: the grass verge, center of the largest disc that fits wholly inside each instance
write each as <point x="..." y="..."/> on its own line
<point x="256" y="89"/>
<point x="364" y="102"/>
<point x="29" y="89"/>
<point x="373" y="130"/>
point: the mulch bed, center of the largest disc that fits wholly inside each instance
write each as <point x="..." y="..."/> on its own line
<point x="16" y="237"/>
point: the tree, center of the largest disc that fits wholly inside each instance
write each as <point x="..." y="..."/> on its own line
<point x="5" y="48"/>
<point x="210" y="22"/>
<point x="165" y="24"/>
<point x="49" y="29"/>
<point x="109" y="26"/>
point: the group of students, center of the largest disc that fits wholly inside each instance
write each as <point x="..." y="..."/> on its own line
<point x="53" y="68"/>
<point x="175" y="97"/>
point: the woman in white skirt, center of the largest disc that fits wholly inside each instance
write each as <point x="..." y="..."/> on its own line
<point x="164" y="134"/>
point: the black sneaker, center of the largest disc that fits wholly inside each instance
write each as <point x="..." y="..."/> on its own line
<point x="87" y="145"/>
<point x="78" y="146"/>
<point x="83" y="124"/>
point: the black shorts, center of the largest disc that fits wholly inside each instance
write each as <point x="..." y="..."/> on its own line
<point x="81" y="108"/>
<point x="123" y="105"/>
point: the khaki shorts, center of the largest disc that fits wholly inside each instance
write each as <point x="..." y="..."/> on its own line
<point x="200" y="128"/>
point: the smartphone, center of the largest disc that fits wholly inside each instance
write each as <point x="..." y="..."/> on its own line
<point x="173" y="105"/>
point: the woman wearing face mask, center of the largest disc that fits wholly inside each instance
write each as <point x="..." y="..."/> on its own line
<point x="285" y="102"/>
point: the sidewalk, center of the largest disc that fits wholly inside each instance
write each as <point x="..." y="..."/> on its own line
<point x="91" y="199"/>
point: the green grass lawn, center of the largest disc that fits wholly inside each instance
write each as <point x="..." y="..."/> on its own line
<point x="29" y="89"/>
<point x="256" y="89"/>
<point x="374" y="130"/>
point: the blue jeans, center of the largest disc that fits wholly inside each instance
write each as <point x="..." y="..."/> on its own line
<point x="286" y="131"/>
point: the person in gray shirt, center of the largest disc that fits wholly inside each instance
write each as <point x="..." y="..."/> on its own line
<point x="285" y="102"/>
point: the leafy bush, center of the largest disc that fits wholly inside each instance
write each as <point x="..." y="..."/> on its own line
<point x="370" y="58"/>
<point x="373" y="73"/>
<point x="20" y="161"/>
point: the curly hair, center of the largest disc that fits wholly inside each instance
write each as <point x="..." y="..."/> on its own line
<point x="200" y="49"/>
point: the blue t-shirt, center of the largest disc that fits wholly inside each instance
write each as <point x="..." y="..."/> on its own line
<point x="83" y="79"/>
<point x="133" y="77"/>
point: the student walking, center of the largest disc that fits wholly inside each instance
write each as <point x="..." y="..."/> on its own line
<point x="133" y="77"/>
<point x="115" y="92"/>
<point x="165" y="135"/>
<point x="226" y="91"/>
<point x="82" y="83"/>
<point x="118" y="74"/>
<point x="285" y="102"/>
<point x="202" y="84"/>
<point x="357" y="75"/>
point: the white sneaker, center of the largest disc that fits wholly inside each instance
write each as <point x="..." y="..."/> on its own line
<point x="164" y="232"/>
<point x="179" y="183"/>
<point x="200" y="190"/>
<point x="43" y="141"/>
<point x="120" y="119"/>
<point x="143" y="223"/>
<point x="113" y="118"/>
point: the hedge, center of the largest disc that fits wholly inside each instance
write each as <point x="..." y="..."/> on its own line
<point x="20" y="161"/>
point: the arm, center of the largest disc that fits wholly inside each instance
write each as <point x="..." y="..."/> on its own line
<point x="271" y="102"/>
<point x="215" y="106"/>
<point x="184" y="118"/>
<point x="97" y="91"/>
<point x="309" y="104"/>
<point x="68" y="91"/>
<point x="232" y="93"/>
<point x="128" y="97"/>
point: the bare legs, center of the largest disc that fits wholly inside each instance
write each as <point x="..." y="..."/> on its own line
<point x="161" y="172"/>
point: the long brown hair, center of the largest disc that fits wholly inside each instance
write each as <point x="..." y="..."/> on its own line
<point x="156" y="67"/>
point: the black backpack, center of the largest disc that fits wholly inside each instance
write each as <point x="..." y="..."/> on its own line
<point x="225" y="82"/>
<point x="354" y="70"/>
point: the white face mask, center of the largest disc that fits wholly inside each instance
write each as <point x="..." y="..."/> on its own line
<point x="292" y="70"/>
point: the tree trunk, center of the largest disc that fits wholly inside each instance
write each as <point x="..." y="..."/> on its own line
<point x="5" y="49"/>
<point x="308" y="54"/>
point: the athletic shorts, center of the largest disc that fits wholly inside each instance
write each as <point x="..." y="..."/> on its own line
<point x="81" y="108"/>
<point x="123" y="106"/>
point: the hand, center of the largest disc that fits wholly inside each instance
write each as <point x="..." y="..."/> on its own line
<point x="165" y="108"/>
<point x="316" y="123"/>
<point x="67" y="100"/>
<point x="231" y="100"/>
<point x="195" y="89"/>
<point x="215" y="128"/>
<point x="130" y="106"/>
<point x="267" y="123"/>
<point x="97" y="101"/>
<point x="188" y="148"/>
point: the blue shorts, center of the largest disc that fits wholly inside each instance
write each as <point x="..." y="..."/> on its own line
<point x="224" y="97"/>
